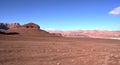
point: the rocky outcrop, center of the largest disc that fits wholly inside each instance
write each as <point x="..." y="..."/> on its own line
<point x="31" y="25"/>
<point x="26" y="30"/>
<point x="4" y="26"/>
<point x="7" y="26"/>
<point x="13" y="25"/>
<point x="31" y="28"/>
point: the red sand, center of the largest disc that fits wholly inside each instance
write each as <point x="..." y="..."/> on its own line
<point x="53" y="50"/>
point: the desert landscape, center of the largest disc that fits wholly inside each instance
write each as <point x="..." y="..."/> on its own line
<point x="106" y="34"/>
<point x="59" y="32"/>
<point x="34" y="46"/>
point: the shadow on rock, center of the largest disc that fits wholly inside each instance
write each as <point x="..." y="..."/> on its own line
<point x="8" y="33"/>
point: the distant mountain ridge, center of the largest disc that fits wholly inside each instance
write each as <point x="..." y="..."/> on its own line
<point x="88" y="33"/>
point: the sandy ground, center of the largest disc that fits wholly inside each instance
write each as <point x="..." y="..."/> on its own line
<point x="29" y="50"/>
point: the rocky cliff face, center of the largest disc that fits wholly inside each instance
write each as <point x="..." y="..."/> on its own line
<point x="13" y="25"/>
<point x="3" y="26"/>
<point x="7" y="26"/>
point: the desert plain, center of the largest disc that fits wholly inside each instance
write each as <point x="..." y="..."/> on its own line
<point x="56" y="50"/>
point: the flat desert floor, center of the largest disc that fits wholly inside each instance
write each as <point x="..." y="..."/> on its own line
<point x="16" y="50"/>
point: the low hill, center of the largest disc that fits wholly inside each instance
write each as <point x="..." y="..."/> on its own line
<point x="26" y="31"/>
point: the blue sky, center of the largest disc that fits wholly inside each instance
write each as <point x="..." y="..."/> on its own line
<point x="63" y="14"/>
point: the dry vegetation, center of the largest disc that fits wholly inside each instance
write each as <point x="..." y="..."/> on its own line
<point x="35" y="50"/>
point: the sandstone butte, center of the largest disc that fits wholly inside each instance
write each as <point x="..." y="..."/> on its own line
<point x="26" y="29"/>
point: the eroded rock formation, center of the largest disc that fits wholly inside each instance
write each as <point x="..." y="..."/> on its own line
<point x="6" y="26"/>
<point x="31" y="25"/>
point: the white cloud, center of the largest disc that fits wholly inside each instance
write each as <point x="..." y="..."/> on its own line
<point x="115" y="11"/>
